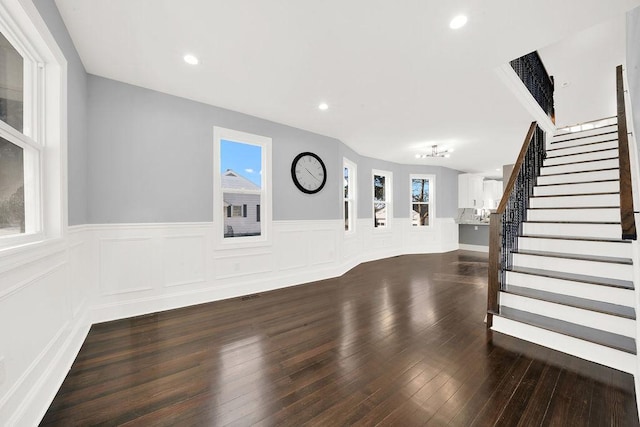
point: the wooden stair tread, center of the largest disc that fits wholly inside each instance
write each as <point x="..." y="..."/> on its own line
<point x="580" y="153"/>
<point x="595" y="258"/>
<point x="572" y="301"/>
<point x="583" y="137"/>
<point x="586" y="239"/>
<point x="582" y="278"/>
<point x="577" y="195"/>
<point x="577" y="183"/>
<point x="574" y="222"/>
<point x="574" y="172"/>
<point x="581" y="161"/>
<point x="595" y="336"/>
<point x="586" y="144"/>
<point x="574" y="207"/>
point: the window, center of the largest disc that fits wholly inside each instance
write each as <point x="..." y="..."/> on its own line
<point x="349" y="194"/>
<point x="422" y="195"/>
<point x="241" y="193"/>
<point x="382" y="198"/>
<point x="31" y="117"/>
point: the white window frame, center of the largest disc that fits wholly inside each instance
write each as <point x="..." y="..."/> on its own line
<point x="219" y="134"/>
<point x="388" y="197"/>
<point x="352" y="198"/>
<point x="432" y="200"/>
<point x="44" y="135"/>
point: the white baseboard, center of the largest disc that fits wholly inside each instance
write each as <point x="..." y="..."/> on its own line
<point x="476" y="248"/>
<point x="34" y="404"/>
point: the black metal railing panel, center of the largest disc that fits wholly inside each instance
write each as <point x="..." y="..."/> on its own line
<point x="515" y="213"/>
<point x="535" y="77"/>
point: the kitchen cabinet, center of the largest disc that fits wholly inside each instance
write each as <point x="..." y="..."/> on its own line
<point x="492" y="193"/>
<point x="470" y="191"/>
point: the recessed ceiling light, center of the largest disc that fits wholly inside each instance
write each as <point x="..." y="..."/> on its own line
<point x="323" y="106"/>
<point x="458" y="22"/>
<point x="191" y="60"/>
<point x="498" y="169"/>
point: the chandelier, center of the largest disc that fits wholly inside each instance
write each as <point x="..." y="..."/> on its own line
<point x="435" y="153"/>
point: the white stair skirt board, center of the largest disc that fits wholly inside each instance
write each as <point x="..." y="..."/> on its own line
<point x="578" y="247"/>
<point x="596" y="215"/>
<point x="607" y="294"/>
<point x="583" y="147"/>
<point x="591" y="319"/>
<point x="581" y="157"/>
<point x="602" y="231"/>
<point x="580" y="167"/>
<point x="580" y="177"/>
<point x="575" y="266"/>
<point x="586" y="200"/>
<point x="581" y="188"/>
<point x="603" y="355"/>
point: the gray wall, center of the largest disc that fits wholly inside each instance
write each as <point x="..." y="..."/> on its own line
<point x="151" y="160"/>
<point x="76" y="115"/>
<point x="468" y="235"/>
<point x="135" y="155"/>
<point x="633" y="66"/>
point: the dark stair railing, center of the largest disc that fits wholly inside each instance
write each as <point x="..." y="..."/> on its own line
<point x="506" y="222"/>
<point x="534" y="76"/>
<point x="627" y="220"/>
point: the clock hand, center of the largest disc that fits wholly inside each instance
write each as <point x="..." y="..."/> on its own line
<point x="314" y="177"/>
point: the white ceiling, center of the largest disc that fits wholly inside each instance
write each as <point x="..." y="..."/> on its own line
<point x="396" y="78"/>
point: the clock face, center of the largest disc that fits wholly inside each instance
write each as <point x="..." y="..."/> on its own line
<point x="308" y="173"/>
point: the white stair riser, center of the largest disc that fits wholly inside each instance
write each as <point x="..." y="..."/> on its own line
<point x="579" y="167"/>
<point x="578" y="316"/>
<point x="590" y="200"/>
<point x="583" y="188"/>
<point x="583" y="157"/>
<point x="608" y="294"/>
<point x="585" y="350"/>
<point x="606" y="231"/>
<point x="597" y="215"/>
<point x="577" y="247"/>
<point x="582" y="148"/>
<point x="575" y="266"/>
<point x="569" y="140"/>
<point x="579" y="177"/>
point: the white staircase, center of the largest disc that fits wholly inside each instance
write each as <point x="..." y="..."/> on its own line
<point x="571" y="284"/>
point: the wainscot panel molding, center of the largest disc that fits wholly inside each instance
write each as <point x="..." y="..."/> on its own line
<point x="44" y="312"/>
<point x="97" y="273"/>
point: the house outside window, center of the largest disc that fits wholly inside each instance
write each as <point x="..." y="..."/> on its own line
<point x="422" y="200"/>
<point x="241" y="193"/>
<point x="382" y="199"/>
<point x="349" y="195"/>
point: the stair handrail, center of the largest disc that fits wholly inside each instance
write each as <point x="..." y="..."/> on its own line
<point x="627" y="220"/>
<point x="506" y="223"/>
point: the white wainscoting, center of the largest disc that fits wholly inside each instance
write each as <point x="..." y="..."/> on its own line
<point x="53" y="294"/>
<point x="44" y="317"/>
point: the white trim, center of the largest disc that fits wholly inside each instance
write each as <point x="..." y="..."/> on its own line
<point x="475" y="248"/>
<point x="219" y="134"/>
<point x="353" y="195"/>
<point x="388" y="198"/>
<point x="510" y="78"/>
<point x="432" y="199"/>
<point x="46" y="109"/>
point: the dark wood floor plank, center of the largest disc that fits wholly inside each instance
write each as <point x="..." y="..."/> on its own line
<point x="395" y="342"/>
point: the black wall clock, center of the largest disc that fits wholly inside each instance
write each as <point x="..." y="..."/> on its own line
<point x="308" y="172"/>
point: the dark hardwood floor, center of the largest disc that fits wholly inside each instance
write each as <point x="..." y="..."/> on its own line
<point x="399" y="342"/>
